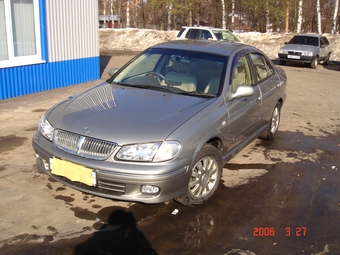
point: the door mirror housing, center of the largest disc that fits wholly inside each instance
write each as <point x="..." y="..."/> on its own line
<point x="112" y="71"/>
<point x="243" y="91"/>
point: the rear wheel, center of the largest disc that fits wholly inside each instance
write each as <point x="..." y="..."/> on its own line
<point x="273" y="124"/>
<point x="325" y="62"/>
<point x="205" y="177"/>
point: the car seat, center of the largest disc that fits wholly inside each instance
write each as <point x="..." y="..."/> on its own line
<point x="180" y="74"/>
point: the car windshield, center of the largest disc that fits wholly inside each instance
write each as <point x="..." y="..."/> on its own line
<point x="305" y="40"/>
<point x="177" y="71"/>
<point x="225" y="35"/>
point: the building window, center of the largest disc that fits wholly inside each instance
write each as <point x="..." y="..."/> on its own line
<point x="19" y="33"/>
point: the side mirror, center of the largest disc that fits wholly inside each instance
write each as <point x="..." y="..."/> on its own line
<point x="112" y="71"/>
<point x="243" y="91"/>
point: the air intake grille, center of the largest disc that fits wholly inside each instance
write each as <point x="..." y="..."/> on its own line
<point x="83" y="146"/>
<point x="296" y="53"/>
<point x="112" y="186"/>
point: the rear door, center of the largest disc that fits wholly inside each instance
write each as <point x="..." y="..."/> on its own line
<point x="268" y="83"/>
<point x="324" y="47"/>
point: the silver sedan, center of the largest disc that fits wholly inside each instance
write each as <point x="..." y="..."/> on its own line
<point x="163" y="126"/>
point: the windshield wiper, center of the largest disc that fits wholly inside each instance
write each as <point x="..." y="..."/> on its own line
<point x="159" y="88"/>
<point x="197" y="93"/>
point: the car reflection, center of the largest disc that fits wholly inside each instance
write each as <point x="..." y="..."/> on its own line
<point x="199" y="231"/>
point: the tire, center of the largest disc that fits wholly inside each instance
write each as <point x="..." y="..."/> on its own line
<point x="282" y="62"/>
<point x="205" y="177"/>
<point x="273" y="125"/>
<point x="314" y="62"/>
<point x="325" y="62"/>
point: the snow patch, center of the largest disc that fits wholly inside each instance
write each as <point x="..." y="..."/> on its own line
<point x="139" y="39"/>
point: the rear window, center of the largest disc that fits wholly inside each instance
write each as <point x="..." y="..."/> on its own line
<point x="225" y="35"/>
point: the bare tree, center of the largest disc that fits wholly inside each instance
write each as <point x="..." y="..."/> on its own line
<point x="232" y="15"/>
<point x="169" y="9"/>
<point x="259" y="15"/>
<point x="335" y="15"/>
<point x="318" y="14"/>
<point x="287" y="17"/>
<point x="224" y="16"/>
<point x="267" y="18"/>
<point x="298" y="28"/>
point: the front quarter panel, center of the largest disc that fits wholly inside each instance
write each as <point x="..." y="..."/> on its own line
<point x="210" y="123"/>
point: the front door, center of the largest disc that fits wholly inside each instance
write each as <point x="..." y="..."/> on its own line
<point x="244" y="111"/>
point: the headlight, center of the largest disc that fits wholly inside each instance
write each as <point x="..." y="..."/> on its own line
<point x="150" y="152"/>
<point x="45" y="128"/>
<point x="283" y="51"/>
<point x="307" y="53"/>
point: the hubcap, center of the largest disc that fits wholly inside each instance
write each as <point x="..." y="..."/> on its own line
<point x="203" y="177"/>
<point x="275" y="120"/>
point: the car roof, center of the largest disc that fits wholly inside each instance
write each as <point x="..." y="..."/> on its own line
<point x="207" y="46"/>
<point x="310" y="35"/>
<point x="207" y="28"/>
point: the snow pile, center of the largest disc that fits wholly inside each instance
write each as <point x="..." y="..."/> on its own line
<point x="140" y="39"/>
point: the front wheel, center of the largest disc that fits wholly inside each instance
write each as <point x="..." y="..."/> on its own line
<point x="205" y="177"/>
<point x="273" y="124"/>
<point x="314" y="62"/>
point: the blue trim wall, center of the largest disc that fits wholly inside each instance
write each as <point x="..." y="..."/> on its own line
<point x="23" y="80"/>
<point x="43" y="32"/>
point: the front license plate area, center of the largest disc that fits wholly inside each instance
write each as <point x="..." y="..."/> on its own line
<point x="73" y="172"/>
<point x="293" y="57"/>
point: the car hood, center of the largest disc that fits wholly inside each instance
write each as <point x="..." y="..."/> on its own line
<point x="124" y="114"/>
<point x="298" y="47"/>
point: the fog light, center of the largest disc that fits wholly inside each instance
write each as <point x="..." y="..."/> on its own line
<point x="45" y="164"/>
<point x="149" y="189"/>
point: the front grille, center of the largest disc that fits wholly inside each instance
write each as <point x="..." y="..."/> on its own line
<point x="112" y="186"/>
<point x="83" y="146"/>
<point x="294" y="53"/>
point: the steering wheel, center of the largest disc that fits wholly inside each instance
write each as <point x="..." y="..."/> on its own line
<point x="159" y="75"/>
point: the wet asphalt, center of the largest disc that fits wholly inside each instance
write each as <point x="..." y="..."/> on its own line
<point x="276" y="197"/>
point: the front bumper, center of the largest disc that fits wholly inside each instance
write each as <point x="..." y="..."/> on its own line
<point x="298" y="59"/>
<point x="118" y="180"/>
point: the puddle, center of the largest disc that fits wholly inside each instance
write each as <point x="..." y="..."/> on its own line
<point x="293" y="195"/>
<point x="10" y="142"/>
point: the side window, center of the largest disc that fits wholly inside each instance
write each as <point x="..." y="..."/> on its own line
<point x="192" y="34"/>
<point x="205" y="35"/>
<point x="326" y="41"/>
<point x="262" y="66"/>
<point x="242" y="74"/>
<point x="322" y="42"/>
<point x="180" y="32"/>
